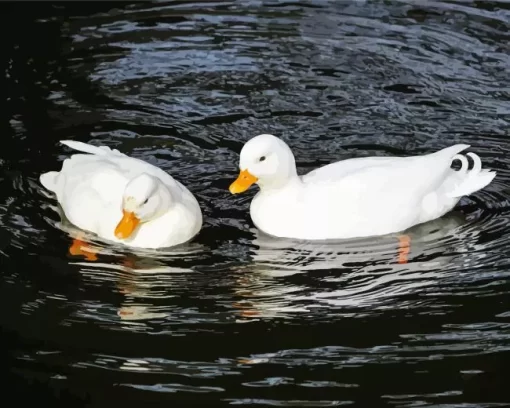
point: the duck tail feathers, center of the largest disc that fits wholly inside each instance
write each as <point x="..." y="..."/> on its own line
<point x="49" y="180"/>
<point x="88" y="148"/>
<point x="470" y="181"/>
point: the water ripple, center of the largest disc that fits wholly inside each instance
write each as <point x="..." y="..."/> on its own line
<point x="235" y="315"/>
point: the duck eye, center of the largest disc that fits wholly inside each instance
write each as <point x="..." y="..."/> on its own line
<point x="262" y="158"/>
<point x="145" y="202"/>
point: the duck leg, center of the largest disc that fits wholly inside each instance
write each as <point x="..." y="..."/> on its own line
<point x="80" y="247"/>
<point x="404" y="247"/>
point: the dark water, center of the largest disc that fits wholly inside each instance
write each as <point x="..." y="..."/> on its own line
<point x="236" y="318"/>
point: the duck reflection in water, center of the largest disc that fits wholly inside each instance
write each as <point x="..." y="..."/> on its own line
<point x="368" y="272"/>
<point x="358" y="273"/>
<point x="145" y="279"/>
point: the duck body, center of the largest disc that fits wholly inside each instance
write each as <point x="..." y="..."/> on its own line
<point x="356" y="197"/>
<point x="91" y="189"/>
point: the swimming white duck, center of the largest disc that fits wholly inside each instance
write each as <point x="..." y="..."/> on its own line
<point x="352" y="198"/>
<point x="123" y="199"/>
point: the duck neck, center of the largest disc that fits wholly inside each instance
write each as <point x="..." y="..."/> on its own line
<point x="280" y="182"/>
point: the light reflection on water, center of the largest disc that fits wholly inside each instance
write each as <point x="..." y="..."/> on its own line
<point x="235" y="315"/>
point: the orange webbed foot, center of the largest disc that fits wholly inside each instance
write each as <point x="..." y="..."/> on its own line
<point x="79" y="247"/>
<point x="404" y="247"/>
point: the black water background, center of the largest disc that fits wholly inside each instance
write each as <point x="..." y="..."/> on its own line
<point x="327" y="114"/>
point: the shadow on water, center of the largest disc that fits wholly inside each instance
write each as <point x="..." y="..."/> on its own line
<point x="236" y="317"/>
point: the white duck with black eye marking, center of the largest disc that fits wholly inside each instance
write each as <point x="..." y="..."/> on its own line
<point x="123" y="199"/>
<point x="352" y="198"/>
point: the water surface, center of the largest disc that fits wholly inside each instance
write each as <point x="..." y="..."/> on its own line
<point x="236" y="317"/>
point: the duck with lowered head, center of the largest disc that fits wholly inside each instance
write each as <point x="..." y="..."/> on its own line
<point x="123" y="199"/>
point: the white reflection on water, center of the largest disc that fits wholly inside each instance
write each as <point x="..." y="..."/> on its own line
<point x="367" y="273"/>
<point x="343" y="277"/>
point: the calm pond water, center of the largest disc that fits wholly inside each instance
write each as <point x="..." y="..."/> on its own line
<point x="236" y="317"/>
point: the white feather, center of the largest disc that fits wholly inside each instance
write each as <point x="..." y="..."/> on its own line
<point x="355" y="197"/>
<point x="90" y="189"/>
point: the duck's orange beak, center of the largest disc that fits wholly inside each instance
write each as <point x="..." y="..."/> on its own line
<point x="243" y="182"/>
<point x="126" y="225"/>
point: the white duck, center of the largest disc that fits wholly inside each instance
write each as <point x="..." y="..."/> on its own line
<point x="123" y="199"/>
<point x="352" y="198"/>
